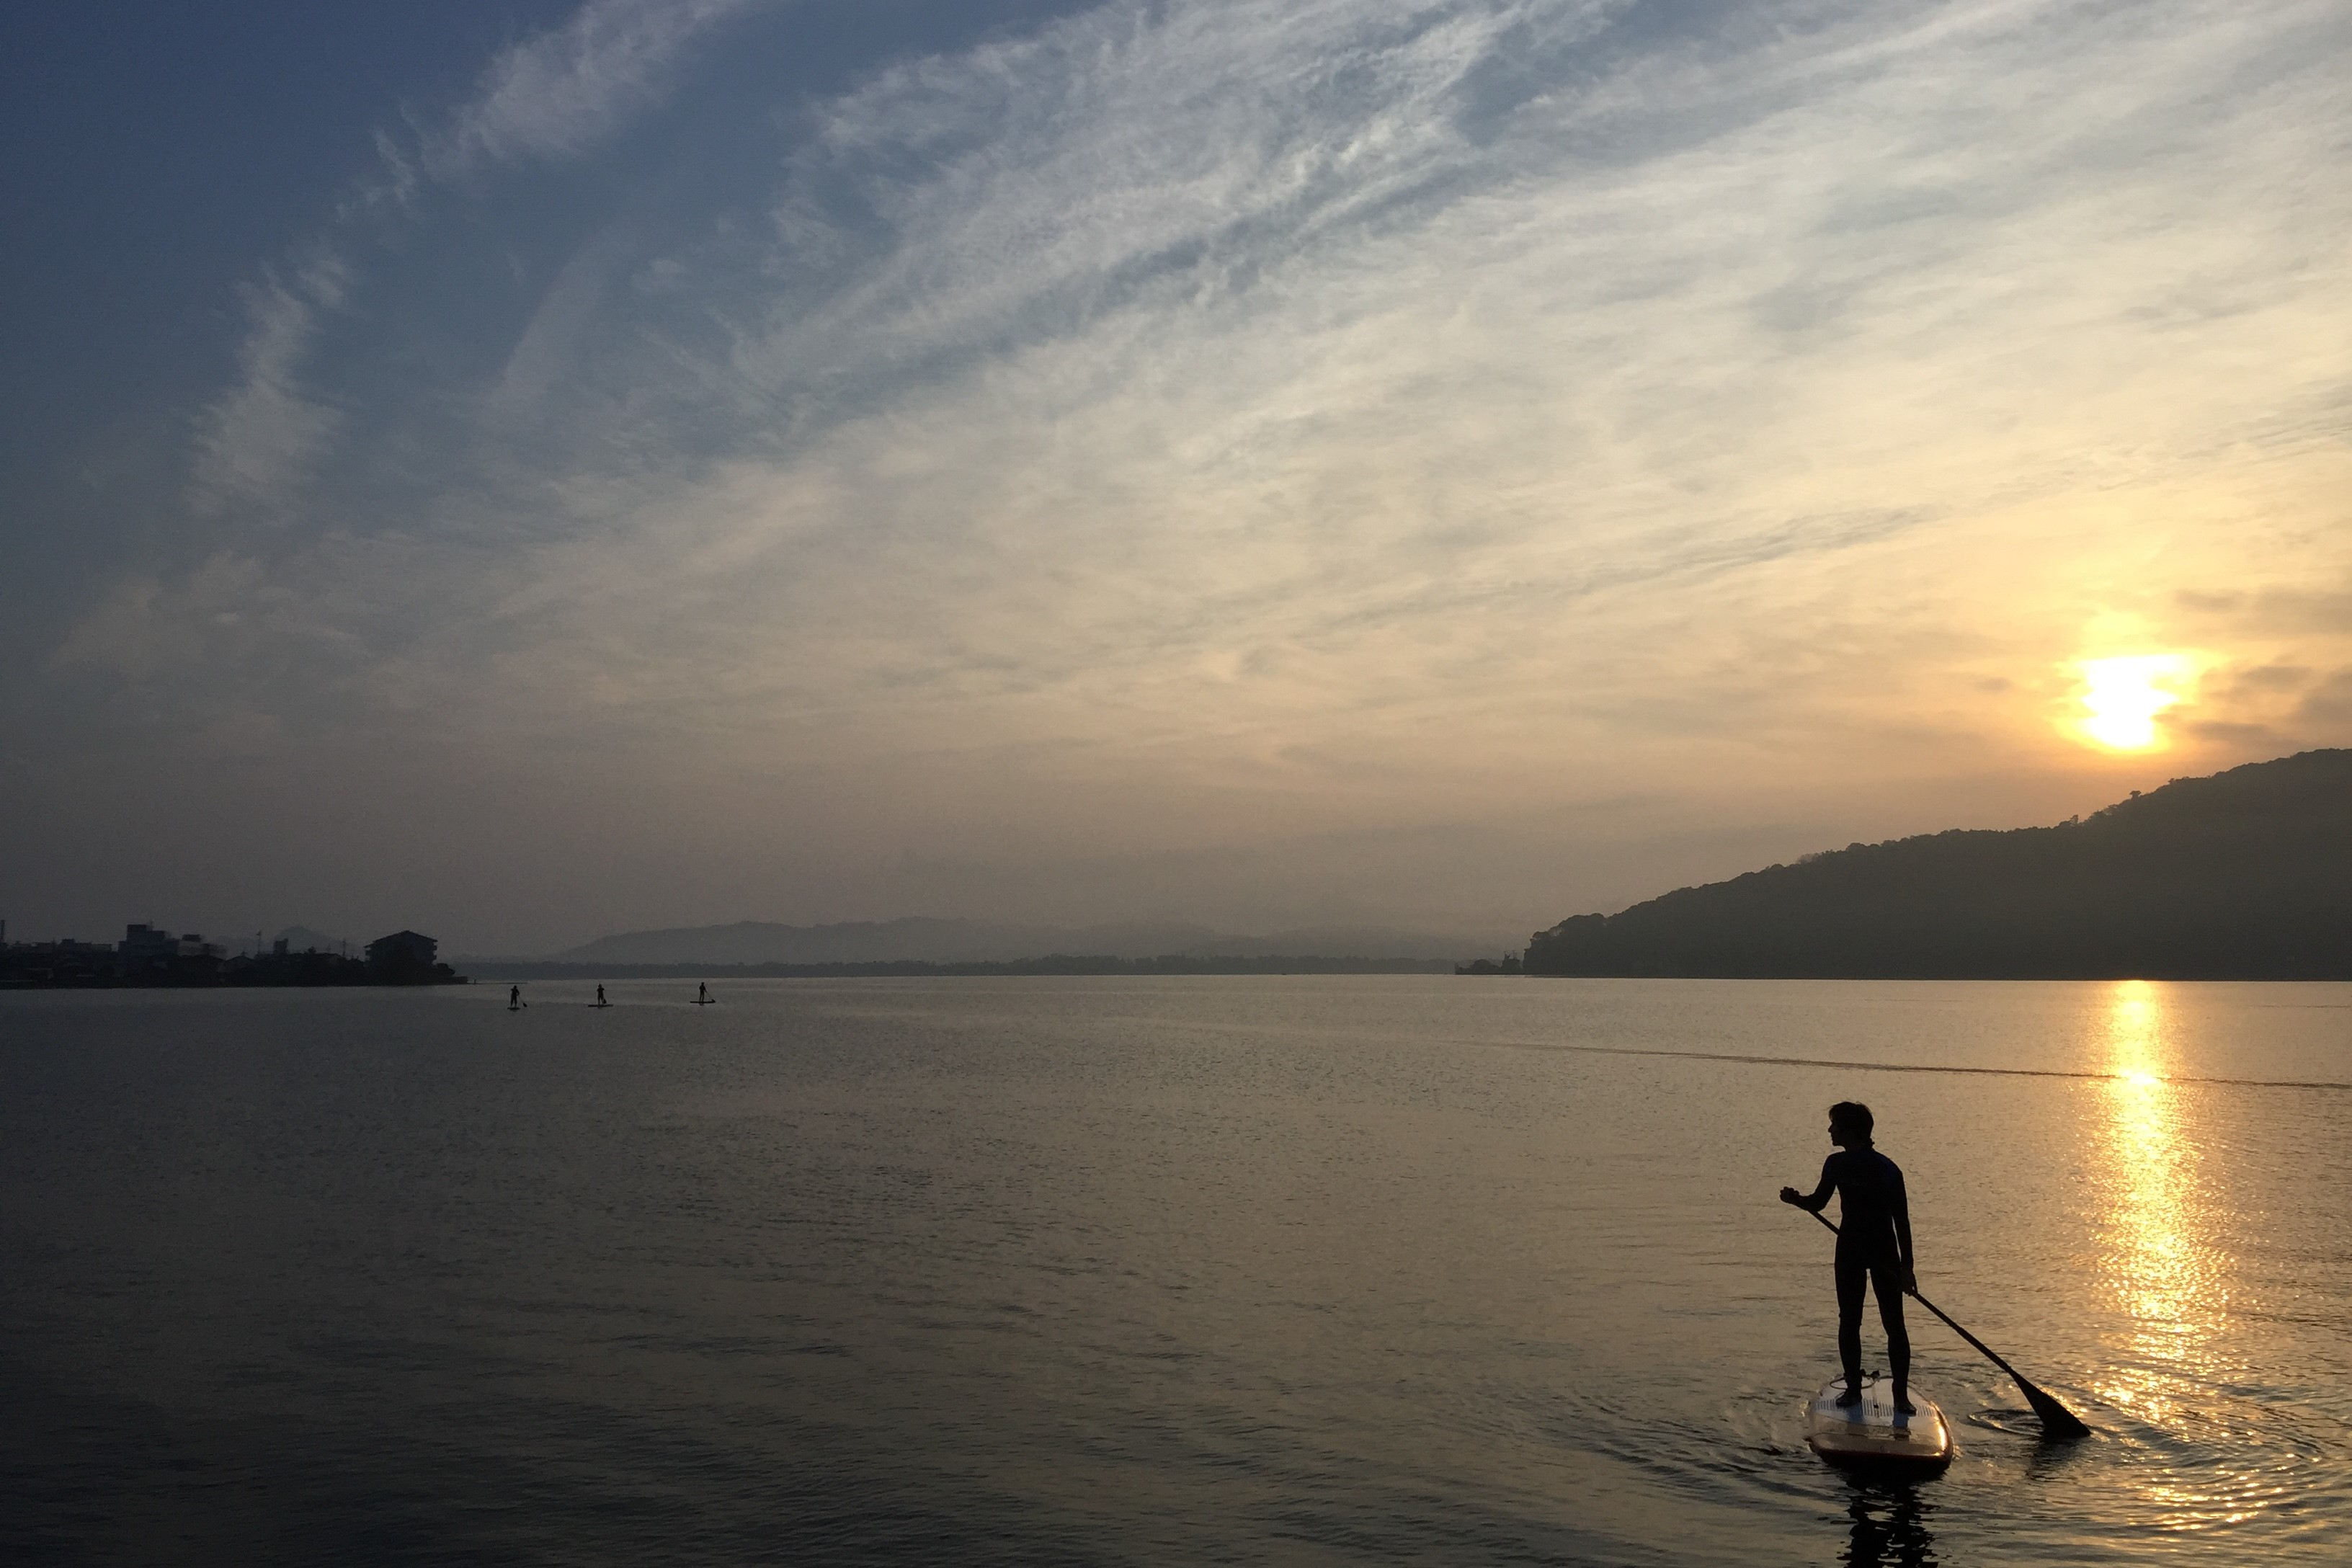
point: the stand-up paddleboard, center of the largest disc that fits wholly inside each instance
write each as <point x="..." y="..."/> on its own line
<point x="1873" y="1434"/>
<point x="705" y="1002"/>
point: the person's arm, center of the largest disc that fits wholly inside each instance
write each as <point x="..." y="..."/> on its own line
<point x="1901" y="1206"/>
<point x="1820" y="1197"/>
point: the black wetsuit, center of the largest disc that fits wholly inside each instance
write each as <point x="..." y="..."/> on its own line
<point x="1873" y="1245"/>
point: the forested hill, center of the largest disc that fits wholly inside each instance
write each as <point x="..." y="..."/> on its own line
<point x="2246" y="875"/>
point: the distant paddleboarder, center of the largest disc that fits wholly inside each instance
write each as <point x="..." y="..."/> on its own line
<point x="1873" y="1245"/>
<point x="514" y="998"/>
<point x="702" y="996"/>
<point x="600" y="997"/>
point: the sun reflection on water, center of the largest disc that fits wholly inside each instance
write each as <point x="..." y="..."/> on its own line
<point x="2160" y="1266"/>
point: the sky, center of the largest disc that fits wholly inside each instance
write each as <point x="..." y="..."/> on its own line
<point x="527" y="470"/>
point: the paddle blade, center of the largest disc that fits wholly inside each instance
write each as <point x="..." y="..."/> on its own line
<point x="2057" y="1421"/>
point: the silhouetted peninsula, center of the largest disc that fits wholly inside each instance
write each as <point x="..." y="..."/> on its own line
<point x="152" y="956"/>
<point x="2246" y="875"/>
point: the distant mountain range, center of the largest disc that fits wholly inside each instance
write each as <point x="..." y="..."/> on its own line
<point x="2244" y="875"/>
<point x="928" y="941"/>
<point x="303" y="938"/>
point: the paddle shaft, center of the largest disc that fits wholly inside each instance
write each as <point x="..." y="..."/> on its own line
<point x="2057" y="1421"/>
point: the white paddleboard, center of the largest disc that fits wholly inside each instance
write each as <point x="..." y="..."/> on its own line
<point x="1874" y="1433"/>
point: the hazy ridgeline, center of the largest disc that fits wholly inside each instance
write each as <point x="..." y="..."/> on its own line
<point x="2243" y="876"/>
<point x="1052" y="964"/>
<point x="931" y="942"/>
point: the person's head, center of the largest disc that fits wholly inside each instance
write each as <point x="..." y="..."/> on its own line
<point x="1850" y="1123"/>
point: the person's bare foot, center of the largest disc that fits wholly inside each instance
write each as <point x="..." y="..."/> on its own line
<point x="1902" y="1403"/>
<point x="1851" y="1396"/>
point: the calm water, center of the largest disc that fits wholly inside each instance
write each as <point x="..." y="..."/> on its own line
<point x="1279" y="1271"/>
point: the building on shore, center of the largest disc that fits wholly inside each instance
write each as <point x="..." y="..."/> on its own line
<point x="406" y="958"/>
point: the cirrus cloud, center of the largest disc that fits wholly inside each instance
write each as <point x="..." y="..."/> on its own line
<point x="1316" y="415"/>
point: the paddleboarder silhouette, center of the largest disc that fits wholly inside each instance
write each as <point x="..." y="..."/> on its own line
<point x="1873" y="1245"/>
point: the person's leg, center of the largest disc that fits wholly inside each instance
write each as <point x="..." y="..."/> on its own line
<point x="1850" y="1278"/>
<point x="1887" y="1284"/>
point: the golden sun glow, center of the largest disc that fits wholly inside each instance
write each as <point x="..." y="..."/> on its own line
<point x="2123" y="697"/>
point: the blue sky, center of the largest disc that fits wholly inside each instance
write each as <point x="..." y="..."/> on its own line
<point x="525" y="470"/>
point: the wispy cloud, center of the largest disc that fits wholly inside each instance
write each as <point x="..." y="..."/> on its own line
<point x="258" y="439"/>
<point x="551" y="96"/>
<point x="1391" y="410"/>
<point x="558" y="94"/>
<point x="1228" y="316"/>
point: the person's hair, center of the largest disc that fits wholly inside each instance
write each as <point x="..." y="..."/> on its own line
<point x="1852" y="1115"/>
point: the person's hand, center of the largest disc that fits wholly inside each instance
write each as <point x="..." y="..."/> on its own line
<point x="1790" y="1195"/>
<point x="1910" y="1282"/>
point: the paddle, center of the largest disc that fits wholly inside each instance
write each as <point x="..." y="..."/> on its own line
<point x="2057" y="1421"/>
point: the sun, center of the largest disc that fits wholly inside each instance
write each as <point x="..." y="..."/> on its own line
<point x="2122" y="698"/>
